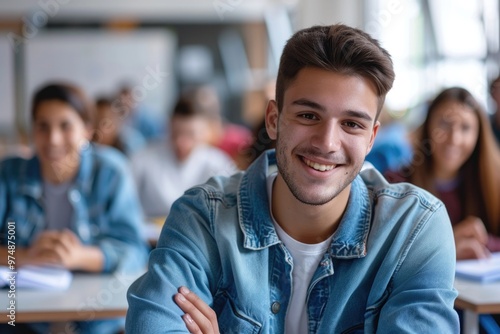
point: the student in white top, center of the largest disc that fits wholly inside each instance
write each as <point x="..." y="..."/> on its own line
<point x="164" y="169"/>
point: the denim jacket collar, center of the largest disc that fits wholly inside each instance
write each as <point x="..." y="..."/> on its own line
<point x="255" y="218"/>
<point x="349" y="241"/>
<point x="32" y="182"/>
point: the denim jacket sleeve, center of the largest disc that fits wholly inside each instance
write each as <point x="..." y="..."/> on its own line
<point x="122" y="244"/>
<point x="413" y="307"/>
<point x="186" y="254"/>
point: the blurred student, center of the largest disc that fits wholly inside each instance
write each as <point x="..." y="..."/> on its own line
<point x="111" y="130"/>
<point x="137" y="116"/>
<point x="456" y="158"/>
<point x="255" y="103"/>
<point x="74" y="204"/>
<point x="231" y="138"/>
<point x="164" y="169"/>
<point x="391" y="149"/>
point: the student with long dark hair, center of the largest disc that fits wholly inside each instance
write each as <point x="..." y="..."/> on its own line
<point x="457" y="159"/>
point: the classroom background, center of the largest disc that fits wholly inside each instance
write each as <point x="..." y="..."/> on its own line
<point x="159" y="48"/>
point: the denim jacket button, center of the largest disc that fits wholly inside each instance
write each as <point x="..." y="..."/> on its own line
<point x="275" y="307"/>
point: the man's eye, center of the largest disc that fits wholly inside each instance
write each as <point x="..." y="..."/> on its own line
<point x="308" y="116"/>
<point x="351" y="124"/>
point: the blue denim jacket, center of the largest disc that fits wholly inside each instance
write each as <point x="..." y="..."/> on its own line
<point x="389" y="269"/>
<point x="106" y="210"/>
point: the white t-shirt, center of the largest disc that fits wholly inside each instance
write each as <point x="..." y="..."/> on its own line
<point x="58" y="210"/>
<point x="306" y="258"/>
<point x="161" y="179"/>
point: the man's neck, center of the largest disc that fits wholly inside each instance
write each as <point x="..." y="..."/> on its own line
<point x="306" y="223"/>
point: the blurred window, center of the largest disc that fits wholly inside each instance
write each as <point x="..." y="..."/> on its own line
<point x="436" y="44"/>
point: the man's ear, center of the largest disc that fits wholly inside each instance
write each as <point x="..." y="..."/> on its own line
<point x="376" y="126"/>
<point x="272" y="119"/>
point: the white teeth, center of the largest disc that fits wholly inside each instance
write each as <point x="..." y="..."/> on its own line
<point x="318" y="166"/>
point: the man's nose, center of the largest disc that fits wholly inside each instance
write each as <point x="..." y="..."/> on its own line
<point x="326" y="137"/>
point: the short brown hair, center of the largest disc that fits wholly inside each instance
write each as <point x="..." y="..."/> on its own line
<point x="337" y="48"/>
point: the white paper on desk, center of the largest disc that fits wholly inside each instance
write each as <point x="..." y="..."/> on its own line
<point x="484" y="270"/>
<point x="37" y="277"/>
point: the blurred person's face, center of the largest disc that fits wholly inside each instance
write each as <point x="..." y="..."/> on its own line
<point x="453" y="131"/>
<point x="323" y="133"/>
<point x="59" y="134"/>
<point x="186" y="134"/>
<point x="127" y="102"/>
<point x="107" y="125"/>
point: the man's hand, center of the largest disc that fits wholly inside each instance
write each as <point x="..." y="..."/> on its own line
<point x="199" y="317"/>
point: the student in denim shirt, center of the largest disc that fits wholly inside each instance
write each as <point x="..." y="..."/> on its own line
<point x="74" y="204"/>
<point x="303" y="242"/>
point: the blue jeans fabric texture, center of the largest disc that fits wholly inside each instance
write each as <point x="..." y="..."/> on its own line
<point x="389" y="269"/>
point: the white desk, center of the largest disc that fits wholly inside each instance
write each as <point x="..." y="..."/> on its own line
<point x="474" y="299"/>
<point x="89" y="297"/>
<point x="104" y="296"/>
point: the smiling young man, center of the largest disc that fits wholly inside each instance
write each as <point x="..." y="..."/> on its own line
<point x="303" y="242"/>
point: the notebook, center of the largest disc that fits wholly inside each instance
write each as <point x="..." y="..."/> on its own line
<point x="36" y="277"/>
<point x="484" y="270"/>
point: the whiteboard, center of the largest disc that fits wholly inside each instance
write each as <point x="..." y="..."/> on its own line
<point x="7" y="112"/>
<point x="101" y="61"/>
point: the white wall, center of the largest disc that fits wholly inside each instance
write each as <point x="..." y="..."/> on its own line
<point x="324" y="12"/>
<point x="100" y="62"/>
<point x="185" y="10"/>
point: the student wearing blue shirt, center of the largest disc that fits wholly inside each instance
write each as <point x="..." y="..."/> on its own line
<point x="73" y="204"/>
<point x="305" y="241"/>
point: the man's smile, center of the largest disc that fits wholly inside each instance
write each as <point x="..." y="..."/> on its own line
<point x="318" y="166"/>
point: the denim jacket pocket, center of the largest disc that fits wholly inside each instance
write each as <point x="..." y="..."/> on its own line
<point x="233" y="321"/>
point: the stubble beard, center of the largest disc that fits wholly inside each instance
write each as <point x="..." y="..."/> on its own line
<point x="287" y="175"/>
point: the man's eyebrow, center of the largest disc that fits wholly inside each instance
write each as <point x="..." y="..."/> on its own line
<point x="309" y="103"/>
<point x="359" y="114"/>
<point x="317" y="106"/>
